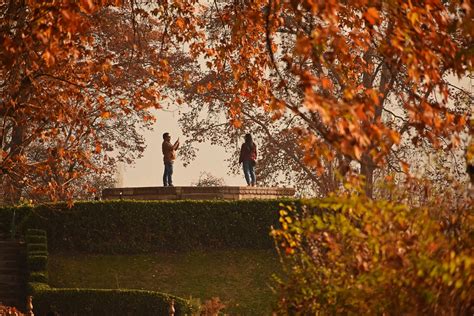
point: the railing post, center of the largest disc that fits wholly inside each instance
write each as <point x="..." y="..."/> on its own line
<point x="29" y="306"/>
<point x="171" y="309"/>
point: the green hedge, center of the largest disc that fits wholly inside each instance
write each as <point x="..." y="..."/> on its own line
<point x="39" y="253"/>
<point x="35" y="239"/>
<point x="37" y="263"/>
<point x="41" y="277"/>
<point x="9" y="216"/>
<point x="107" y="302"/>
<point x="145" y="226"/>
<point x="37" y="256"/>
<point x="36" y="232"/>
<point x="90" y="301"/>
<point x="30" y="247"/>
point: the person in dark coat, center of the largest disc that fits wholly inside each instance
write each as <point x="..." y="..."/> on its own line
<point x="248" y="158"/>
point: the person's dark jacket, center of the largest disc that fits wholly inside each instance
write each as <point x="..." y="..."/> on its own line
<point x="248" y="152"/>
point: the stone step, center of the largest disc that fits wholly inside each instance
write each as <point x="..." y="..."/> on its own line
<point x="12" y="251"/>
<point x="4" y="260"/>
<point x="12" y="272"/>
<point x="9" y="278"/>
<point x="9" y="247"/>
<point x="9" y="250"/>
<point x="14" y="289"/>
<point x="18" y="268"/>
<point x="12" y="248"/>
<point x="10" y="295"/>
<point x="11" y="243"/>
<point x="10" y="263"/>
<point x="15" y="302"/>
<point x="18" y="256"/>
<point x="13" y="283"/>
<point x="7" y="261"/>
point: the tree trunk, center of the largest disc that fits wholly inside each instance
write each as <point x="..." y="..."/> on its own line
<point x="367" y="169"/>
<point x="13" y="185"/>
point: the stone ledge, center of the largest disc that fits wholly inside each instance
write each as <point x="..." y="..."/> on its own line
<point x="197" y="193"/>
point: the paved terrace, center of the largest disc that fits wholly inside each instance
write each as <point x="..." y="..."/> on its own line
<point x="196" y="193"/>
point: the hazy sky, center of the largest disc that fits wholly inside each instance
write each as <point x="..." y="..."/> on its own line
<point x="148" y="171"/>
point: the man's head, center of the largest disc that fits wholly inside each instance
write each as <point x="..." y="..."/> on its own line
<point x="166" y="136"/>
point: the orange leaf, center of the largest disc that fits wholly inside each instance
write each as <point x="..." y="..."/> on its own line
<point x="372" y="15"/>
<point x="87" y="6"/>
<point x="61" y="152"/>
<point x="395" y="137"/>
<point x="357" y="152"/>
<point x="105" y="115"/>
<point x="303" y="45"/>
<point x="405" y="166"/>
<point x="180" y="23"/>
<point x="236" y="123"/>
<point x="48" y="58"/>
<point x="326" y="83"/>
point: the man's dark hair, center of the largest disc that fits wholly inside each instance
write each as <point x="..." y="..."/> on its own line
<point x="166" y="135"/>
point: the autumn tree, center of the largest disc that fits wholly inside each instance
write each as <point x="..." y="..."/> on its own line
<point x="352" y="85"/>
<point x="365" y="84"/>
<point x="349" y="254"/>
<point x="78" y="80"/>
<point x="362" y="78"/>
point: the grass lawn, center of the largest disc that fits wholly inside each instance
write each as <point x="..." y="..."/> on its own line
<point x="240" y="278"/>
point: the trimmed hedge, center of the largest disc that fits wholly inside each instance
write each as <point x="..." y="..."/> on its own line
<point x="40" y="253"/>
<point x="90" y="301"/>
<point x="37" y="263"/>
<point x="35" y="239"/>
<point x="107" y="302"/>
<point x="36" y="232"/>
<point x="36" y="247"/>
<point x="147" y="226"/>
<point x="10" y="215"/>
<point x="41" y="277"/>
<point x="37" y="255"/>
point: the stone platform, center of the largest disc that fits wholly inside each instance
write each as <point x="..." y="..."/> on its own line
<point x="196" y="193"/>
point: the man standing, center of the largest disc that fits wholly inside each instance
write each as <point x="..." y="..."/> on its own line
<point x="169" y="155"/>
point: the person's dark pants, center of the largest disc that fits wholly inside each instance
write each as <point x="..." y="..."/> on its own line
<point x="249" y="172"/>
<point x="167" y="175"/>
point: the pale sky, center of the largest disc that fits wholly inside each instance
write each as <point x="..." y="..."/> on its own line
<point x="148" y="171"/>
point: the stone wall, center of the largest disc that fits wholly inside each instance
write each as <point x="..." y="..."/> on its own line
<point x="196" y="193"/>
